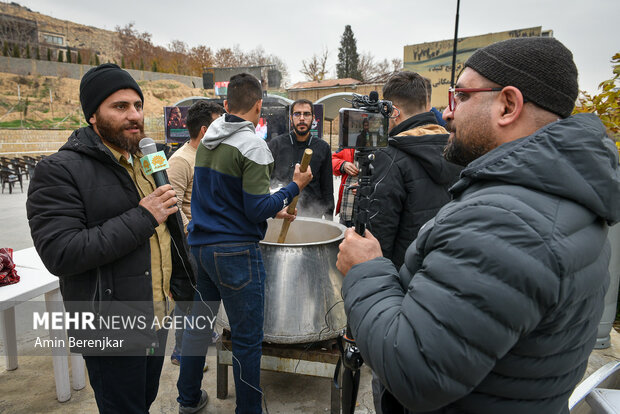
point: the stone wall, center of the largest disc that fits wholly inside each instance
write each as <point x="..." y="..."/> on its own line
<point x="24" y="67"/>
<point x="16" y="142"/>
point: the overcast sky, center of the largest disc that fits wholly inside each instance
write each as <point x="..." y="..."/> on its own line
<point x="294" y="30"/>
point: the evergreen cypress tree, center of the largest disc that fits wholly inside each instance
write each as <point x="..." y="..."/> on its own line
<point x="348" y="57"/>
<point x="97" y="60"/>
<point x="154" y="66"/>
<point x="15" y="51"/>
<point x="38" y="55"/>
<point x="68" y="54"/>
<point x="27" y="51"/>
<point x="49" y="55"/>
<point x="79" y="58"/>
<point x="61" y="56"/>
<point x="5" y="49"/>
<point x="122" y="61"/>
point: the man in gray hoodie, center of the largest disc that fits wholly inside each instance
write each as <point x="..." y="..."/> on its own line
<point x="496" y="307"/>
<point x="230" y="205"/>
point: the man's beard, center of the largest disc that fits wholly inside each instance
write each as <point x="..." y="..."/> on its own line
<point x="457" y="152"/>
<point x="116" y="135"/>
<point x="302" y="133"/>
<point x="462" y="151"/>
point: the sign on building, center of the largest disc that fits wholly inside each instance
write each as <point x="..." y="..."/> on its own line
<point x="434" y="59"/>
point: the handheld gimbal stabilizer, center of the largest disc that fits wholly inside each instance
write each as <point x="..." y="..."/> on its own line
<point x="350" y="356"/>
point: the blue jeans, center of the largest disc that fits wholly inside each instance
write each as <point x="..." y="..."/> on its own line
<point x="178" y="333"/>
<point x="233" y="273"/>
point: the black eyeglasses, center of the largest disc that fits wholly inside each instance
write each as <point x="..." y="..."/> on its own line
<point x="455" y="94"/>
<point x="305" y="115"/>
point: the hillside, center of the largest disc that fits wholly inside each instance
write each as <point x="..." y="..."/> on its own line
<point x="34" y="110"/>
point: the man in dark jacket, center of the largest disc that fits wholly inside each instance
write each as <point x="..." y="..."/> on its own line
<point x="411" y="177"/>
<point x="496" y="307"/>
<point x="317" y="200"/>
<point x="114" y="239"/>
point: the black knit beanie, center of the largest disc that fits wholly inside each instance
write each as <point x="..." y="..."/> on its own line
<point x="542" y="68"/>
<point x="102" y="81"/>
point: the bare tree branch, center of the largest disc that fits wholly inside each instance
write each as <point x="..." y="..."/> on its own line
<point x="315" y="69"/>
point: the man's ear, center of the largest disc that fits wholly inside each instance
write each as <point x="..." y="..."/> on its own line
<point x="399" y="117"/>
<point x="93" y="119"/>
<point x="511" y="105"/>
<point x="203" y="130"/>
<point x="226" y="105"/>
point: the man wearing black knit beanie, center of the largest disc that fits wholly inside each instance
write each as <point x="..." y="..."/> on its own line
<point x="497" y="305"/>
<point x="99" y="222"/>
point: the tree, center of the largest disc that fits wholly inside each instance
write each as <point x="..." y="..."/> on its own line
<point x="225" y="57"/>
<point x="133" y="45"/>
<point x="79" y="58"/>
<point x="97" y="63"/>
<point x="366" y="66"/>
<point x="259" y="57"/>
<point x="178" y="58"/>
<point x="376" y="71"/>
<point x="281" y="66"/>
<point x="607" y="103"/>
<point x="38" y="54"/>
<point x="154" y="66"/>
<point x="68" y="55"/>
<point x="16" y="51"/>
<point x="49" y="55"/>
<point x="5" y="49"/>
<point x="61" y="56"/>
<point x="27" y="51"/>
<point x="397" y="64"/>
<point x="315" y="69"/>
<point x="200" y="57"/>
<point x="348" y="58"/>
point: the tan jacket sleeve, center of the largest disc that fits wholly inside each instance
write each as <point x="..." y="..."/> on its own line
<point x="180" y="176"/>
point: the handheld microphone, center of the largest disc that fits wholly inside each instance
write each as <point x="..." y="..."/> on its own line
<point x="154" y="162"/>
<point x="373" y="96"/>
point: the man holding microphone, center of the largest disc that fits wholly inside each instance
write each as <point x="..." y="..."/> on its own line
<point x="99" y="222"/>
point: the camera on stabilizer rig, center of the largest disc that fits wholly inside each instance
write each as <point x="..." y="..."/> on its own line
<point x="366" y="124"/>
<point x="365" y="128"/>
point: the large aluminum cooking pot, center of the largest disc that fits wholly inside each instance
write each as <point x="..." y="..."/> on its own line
<point x="302" y="289"/>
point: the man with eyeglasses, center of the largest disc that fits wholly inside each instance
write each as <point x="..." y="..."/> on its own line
<point x="496" y="307"/>
<point x="317" y="200"/>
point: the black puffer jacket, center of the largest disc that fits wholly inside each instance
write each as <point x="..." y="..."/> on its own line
<point x="411" y="179"/>
<point x="89" y="230"/>
<point x="497" y="305"/>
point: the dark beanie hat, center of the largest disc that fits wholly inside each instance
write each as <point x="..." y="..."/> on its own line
<point x="542" y="68"/>
<point x="102" y="81"/>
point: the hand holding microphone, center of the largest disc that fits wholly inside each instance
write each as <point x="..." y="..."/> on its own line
<point x="162" y="202"/>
